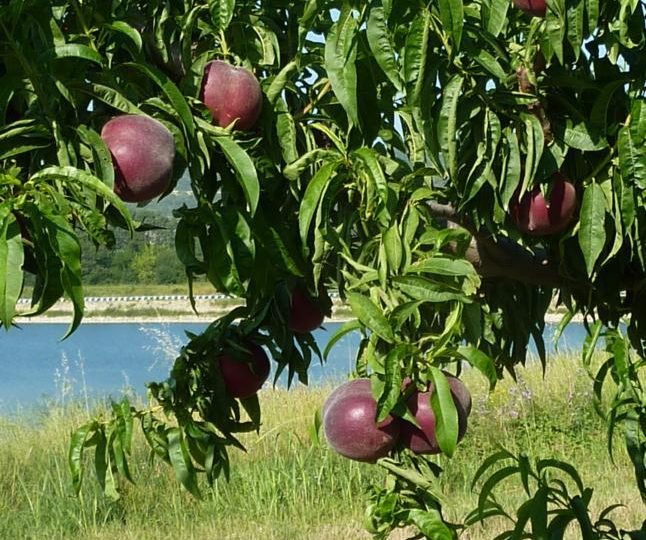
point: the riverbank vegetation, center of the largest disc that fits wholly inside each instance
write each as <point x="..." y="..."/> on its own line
<point x="286" y="486"/>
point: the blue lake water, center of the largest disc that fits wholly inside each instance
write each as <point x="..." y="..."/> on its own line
<point x="36" y="367"/>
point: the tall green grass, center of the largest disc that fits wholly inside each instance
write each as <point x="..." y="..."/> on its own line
<point x="286" y="487"/>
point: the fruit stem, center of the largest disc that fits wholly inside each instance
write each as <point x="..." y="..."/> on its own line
<point x="223" y="45"/>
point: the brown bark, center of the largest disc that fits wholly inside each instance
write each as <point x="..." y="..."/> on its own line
<point x="500" y="257"/>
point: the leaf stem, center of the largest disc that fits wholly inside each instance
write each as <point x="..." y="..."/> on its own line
<point x="223" y="45"/>
<point x="599" y="167"/>
<point x="83" y="23"/>
<point x="324" y="90"/>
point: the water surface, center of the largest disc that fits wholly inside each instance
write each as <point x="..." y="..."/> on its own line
<point x="36" y="367"/>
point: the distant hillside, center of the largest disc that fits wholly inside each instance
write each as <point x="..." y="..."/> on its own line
<point x="182" y="194"/>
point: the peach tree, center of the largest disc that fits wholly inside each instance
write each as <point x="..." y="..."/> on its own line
<point x="452" y="168"/>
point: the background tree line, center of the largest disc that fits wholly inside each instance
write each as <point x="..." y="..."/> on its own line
<point x="144" y="258"/>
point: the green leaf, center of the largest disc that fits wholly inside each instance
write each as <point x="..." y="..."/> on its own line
<point x="581" y="512"/>
<point x="494" y="15"/>
<point x="522" y="517"/>
<point x="443" y="266"/>
<point x="103" y="465"/>
<point x="26" y="128"/>
<point x="381" y="45"/>
<point x="419" y="288"/>
<point x="314" y="429"/>
<point x="377" y="183"/>
<point x="632" y="148"/>
<point x="557" y="527"/>
<point x="112" y="97"/>
<point x="415" y="53"/>
<point x="446" y="414"/>
<point x="592" y="232"/>
<point x="72" y="174"/>
<point x="636" y="447"/>
<point x="491" y="509"/>
<point x="118" y="452"/>
<point x="430" y="524"/>
<point x="489" y="462"/>
<point x="245" y="170"/>
<point x="125" y="414"/>
<point x="452" y="17"/>
<point x="393" y="246"/>
<point x="590" y="342"/>
<point x="556" y="26"/>
<point x="567" y="468"/>
<point x="280" y="81"/>
<point x="102" y="157"/>
<point x="269" y="47"/>
<point x="295" y="169"/>
<point x="175" y="97"/>
<point x="314" y="193"/>
<point x="535" y="142"/>
<point x="75" y="454"/>
<point x="393" y="379"/>
<point x="575" y="16"/>
<point x="583" y="137"/>
<point x="512" y="168"/>
<point x="491" y="482"/>
<point x="252" y="406"/>
<point x="599" y="114"/>
<point x="340" y="57"/>
<point x="131" y="33"/>
<point x="346" y="328"/>
<point x="371" y="316"/>
<point x="181" y="461"/>
<point x="489" y="62"/>
<point x="221" y="13"/>
<point x="68" y="248"/>
<point x="538" y="514"/>
<point x="155" y="434"/>
<point x="286" y="131"/>
<point x="75" y="50"/>
<point x="592" y="8"/>
<point x="278" y="239"/>
<point x="11" y="274"/>
<point x="221" y="271"/>
<point x="447" y="124"/>
<point x="48" y="287"/>
<point x="481" y="361"/>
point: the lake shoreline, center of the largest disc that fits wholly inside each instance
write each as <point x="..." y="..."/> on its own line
<point x="160" y="310"/>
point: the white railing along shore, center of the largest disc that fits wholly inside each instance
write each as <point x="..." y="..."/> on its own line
<point x="154" y="298"/>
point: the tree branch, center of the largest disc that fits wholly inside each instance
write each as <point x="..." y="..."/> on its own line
<point x="501" y="257"/>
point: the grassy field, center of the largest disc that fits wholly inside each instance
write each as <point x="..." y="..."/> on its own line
<point x="287" y="488"/>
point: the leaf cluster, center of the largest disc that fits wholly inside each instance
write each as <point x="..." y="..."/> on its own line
<point x="374" y="112"/>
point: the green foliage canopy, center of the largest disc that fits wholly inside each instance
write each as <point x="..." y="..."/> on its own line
<point x="393" y="140"/>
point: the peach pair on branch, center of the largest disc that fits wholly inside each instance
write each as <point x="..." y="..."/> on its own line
<point x="143" y="149"/>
